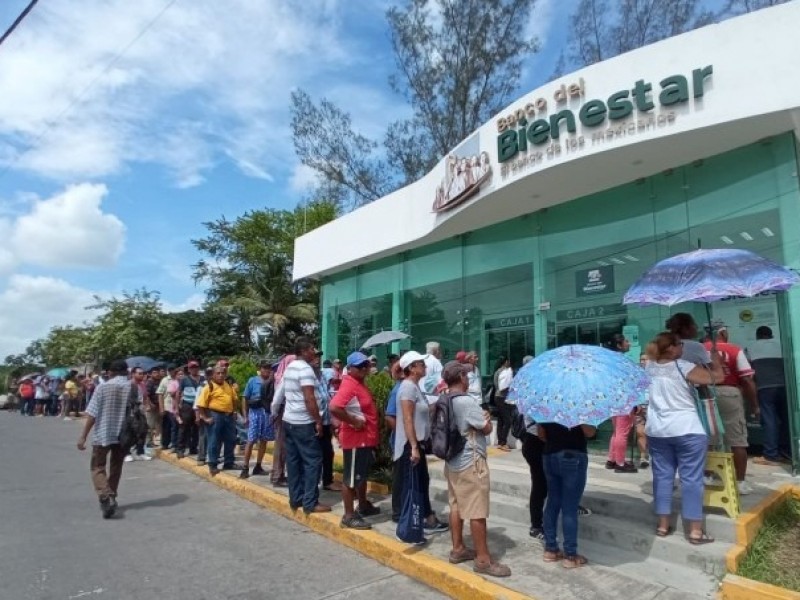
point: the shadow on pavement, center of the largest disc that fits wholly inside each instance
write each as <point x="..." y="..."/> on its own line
<point x="170" y="500"/>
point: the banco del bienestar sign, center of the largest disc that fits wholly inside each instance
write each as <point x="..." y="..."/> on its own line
<point x="529" y="126"/>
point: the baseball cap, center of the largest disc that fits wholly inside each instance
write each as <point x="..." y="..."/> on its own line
<point x="461" y="356"/>
<point x="357" y="358"/>
<point x="411" y="356"/>
<point x="193" y="363"/>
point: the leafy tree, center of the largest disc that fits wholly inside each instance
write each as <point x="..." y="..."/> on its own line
<point x="248" y="265"/>
<point x="601" y="29"/>
<point x="458" y="62"/>
<point x="67" y="346"/>
<point x="738" y="7"/>
<point x="127" y="325"/>
<point x="193" y="334"/>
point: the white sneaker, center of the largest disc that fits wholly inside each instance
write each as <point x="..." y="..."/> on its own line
<point x="129" y="458"/>
<point x="144" y="457"/>
<point x="68" y="418"/>
<point x="744" y="488"/>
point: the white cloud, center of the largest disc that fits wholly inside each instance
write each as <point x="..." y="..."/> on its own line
<point x="208" y="80"/>
<point x="303" y="178"/>
<point x="32" y="305"/>
<point x="540" y="23"/>
<point x="69" y="230"/>
<point x="193" y="302"/>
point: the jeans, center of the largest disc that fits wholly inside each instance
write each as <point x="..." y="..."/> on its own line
<point x="532" y="448"/>
<point x="304" y="465"/>
<point x="221" y="433"/>
<point x="687" y="455"/>
<point x="402" y="468"/>
<point x="278" y="453"/>
<point x="326" y="446"/>
<point x="169" y="430"/>
<point x="619" y="441"/>
<point x="775" y="422"/>
<point x="566" y="479"/>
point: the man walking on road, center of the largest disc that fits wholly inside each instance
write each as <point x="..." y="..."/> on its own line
<point x="107" y="410"/>
<point x="302" y="422"/>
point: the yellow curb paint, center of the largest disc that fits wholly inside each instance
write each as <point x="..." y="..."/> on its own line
<point x="373" y="487"/>
<point x="749" y="523"/>
<point x="414" y="562"/>
<point x="734" y="587"/>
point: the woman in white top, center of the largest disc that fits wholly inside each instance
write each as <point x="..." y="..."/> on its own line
<point x="675" y="434"/>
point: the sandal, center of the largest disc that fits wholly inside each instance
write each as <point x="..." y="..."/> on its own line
<point x="550" y="556"/>
<point x="462" y="556"/>
<point x="664" y="532"/>
<point x="704" y="538"/>
<point x="574" y="561"/>
<point x="493" y="569"/>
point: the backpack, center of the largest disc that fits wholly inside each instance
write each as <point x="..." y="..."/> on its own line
<point x="518" y="429"/>
<point x="446" y="439"/>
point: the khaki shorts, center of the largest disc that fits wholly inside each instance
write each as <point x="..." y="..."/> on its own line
<point x="468" y="490"/>
<point x="731" y="408"/>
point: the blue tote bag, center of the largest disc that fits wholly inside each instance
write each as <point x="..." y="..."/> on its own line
<point x="410" y="525"/>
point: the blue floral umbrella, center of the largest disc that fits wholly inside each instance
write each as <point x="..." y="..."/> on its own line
<point x="578" y="384"/>
<point x="58" y="372"/>
<point x="707" y="276"/>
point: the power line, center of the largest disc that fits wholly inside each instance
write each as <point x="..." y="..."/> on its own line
<point x="18" y="20"/>
<point x="48" y="126"/>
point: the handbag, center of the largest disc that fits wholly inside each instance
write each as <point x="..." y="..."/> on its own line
<point x="134" y="427"/>
<point x="410" y="527"/>
<point x="707" y="408"/>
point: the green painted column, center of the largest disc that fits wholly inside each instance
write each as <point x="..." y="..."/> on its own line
<point x="540" y="292"/>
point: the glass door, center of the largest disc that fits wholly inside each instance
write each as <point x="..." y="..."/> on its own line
<point x="511" y="343"/>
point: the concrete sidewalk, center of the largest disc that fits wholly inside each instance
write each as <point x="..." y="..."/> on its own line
<point x="625" y="557"/>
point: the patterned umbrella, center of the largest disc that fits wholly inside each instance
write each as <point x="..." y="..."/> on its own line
<point x="577" y="384"/>
<point x="709" y="275"/>
<point x="384" y="337"/>
<point x="58" y="372"/>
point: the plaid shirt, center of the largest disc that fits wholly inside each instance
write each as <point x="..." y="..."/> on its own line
<point x="109" y="406"/>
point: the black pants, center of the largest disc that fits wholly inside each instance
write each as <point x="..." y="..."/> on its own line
<point x="402" y="466"/>
<point x="326" y="444"/>
<point x="505" y="414"/>
<point x="532" y="448"/>
<point x="187" y="431"/>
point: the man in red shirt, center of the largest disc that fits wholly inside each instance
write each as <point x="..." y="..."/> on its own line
<point x="737" y="386"/>
<point x="358" y="436"/>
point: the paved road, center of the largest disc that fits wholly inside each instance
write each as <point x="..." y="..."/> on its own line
<point x="176" y="536"/>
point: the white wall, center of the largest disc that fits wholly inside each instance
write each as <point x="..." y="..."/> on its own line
<point x="754" y="93"/>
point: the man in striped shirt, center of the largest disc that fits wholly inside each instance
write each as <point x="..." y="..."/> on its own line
<point x="302" y="422"/>
<point x="106" y="413"/>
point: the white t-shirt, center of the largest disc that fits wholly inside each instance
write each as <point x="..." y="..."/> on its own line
<point x="410" y="392"/>
<point x="298" y="375"/>
<point x="433" y="375"/>
<point x="475" y="390"/>
<point x="504" y="379"/>
<point x="672" y="411"/>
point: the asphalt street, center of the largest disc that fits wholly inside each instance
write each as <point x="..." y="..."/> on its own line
<point x="175" y="537"/>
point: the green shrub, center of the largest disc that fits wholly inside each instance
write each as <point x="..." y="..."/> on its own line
<point x="380" y="386"/>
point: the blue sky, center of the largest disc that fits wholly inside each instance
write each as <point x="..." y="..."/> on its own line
<point x="124" y="126"/>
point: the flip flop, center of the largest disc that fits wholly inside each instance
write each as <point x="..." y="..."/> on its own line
<point x="699" y="541"/>
<point x="664" y="532"/>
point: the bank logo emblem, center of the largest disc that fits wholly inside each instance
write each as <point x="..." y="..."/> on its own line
<point x="463" y="178"/>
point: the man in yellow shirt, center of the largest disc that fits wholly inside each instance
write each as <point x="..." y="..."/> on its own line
<point x="216" y="404"/>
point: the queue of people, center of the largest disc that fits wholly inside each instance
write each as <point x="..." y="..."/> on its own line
<point x="301" y="403"/>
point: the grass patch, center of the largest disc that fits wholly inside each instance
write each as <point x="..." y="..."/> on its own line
<point x="774" y="557"/>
